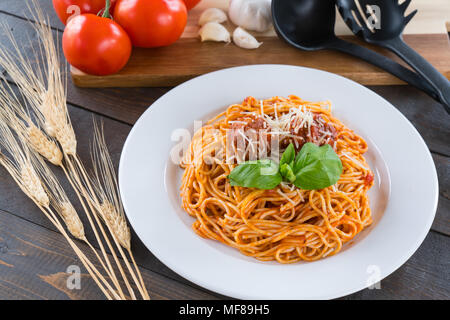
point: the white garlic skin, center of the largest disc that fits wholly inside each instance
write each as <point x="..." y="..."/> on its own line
<point x="212" y="15"/>
<point x="213" y="31"/>
<point x="252" y="15"/>
<point x="245" y="40"/>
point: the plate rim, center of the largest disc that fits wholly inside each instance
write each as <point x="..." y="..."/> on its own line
<point x="230" y="293"/>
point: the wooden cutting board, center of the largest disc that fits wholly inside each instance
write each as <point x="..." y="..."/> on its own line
<point x="188" y="57"/>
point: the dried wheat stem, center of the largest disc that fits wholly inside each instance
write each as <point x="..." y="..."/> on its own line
<point x="95" y="274"/>
<point x="66" y="137"/>
<point x="72" y="220"/>
<point x="64" y="207"/>
<point x="139" y="274"/>
<point x="109" y="269"/>
<point x="93" y="202"/>
<point x="111" y="209"/>
<point x="87" y="264"/>
<point x="117" y="223"/>
<point x="45" y="147"/>
<point x="33" y="185"/>
<point x="48" y="149"/>
<point x="47" y="98"/>
<point x="34" y="192"/>
<point x="121" y="235"/>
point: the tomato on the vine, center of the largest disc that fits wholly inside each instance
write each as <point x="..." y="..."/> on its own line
<point x="154" y="23"/>
<point x="66" y="9"/>
<point x="96" y="45"/>
<point x="191" y="3"/>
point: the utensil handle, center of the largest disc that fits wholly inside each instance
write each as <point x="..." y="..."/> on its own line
<point x="440" y="83"/>
<point x="384" y="63"/>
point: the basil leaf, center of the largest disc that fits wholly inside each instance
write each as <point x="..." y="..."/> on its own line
<point x="304" y="154"/>
<point x="287" y="173"/>
<point x="288" y="155"/>
<point x="316" y="167"/>
<point x="261" y="174"/>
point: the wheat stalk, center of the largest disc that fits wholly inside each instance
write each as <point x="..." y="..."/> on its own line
<point x="83" y="185"/>
<point x="32" y="89"/>
<point x="45" y="91"/>
<point x="48" y="102"/>
<point x="45" y="147"/>
<point x="19" y="165"/>
<point x="111" y="208"/>
<point x="13" y="114"/>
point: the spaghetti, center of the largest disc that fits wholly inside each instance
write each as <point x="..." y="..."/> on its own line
<point x="285" y="224"/>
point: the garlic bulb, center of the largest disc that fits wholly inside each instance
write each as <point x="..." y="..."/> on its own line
<point x="251" y="14"/>
<point x="213" y="31"/>
<point x="212" y="15"/>
<point x="245" y="40"/>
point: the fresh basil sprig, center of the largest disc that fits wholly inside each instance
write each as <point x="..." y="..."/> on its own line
<point x="313" y="168"/>
<point x="316" y="167"/>
<point x="261" y="174"/>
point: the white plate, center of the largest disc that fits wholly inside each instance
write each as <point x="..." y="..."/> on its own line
<point x="403" y="200"/>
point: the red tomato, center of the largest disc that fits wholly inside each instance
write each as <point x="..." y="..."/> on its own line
<point x="151" y="23"/>
<point x="191" y="3"/>
<point x="66" y="9"/>
<point x="96" y="45"/>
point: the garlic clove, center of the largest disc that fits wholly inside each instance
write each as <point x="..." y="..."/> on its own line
<point x="252" y="15"/>
<point x="244" y="39"/>
<point x="212" y="15"/>
<point x="213" y="31"/>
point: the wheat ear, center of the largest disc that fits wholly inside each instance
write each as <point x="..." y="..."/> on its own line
<point x="19" y="165"/>
<point x="111" y="208"/>
<point x="84" y="186"/>
<point x="47" y="97"/>
<point x="46" y="146"/>
<point x="14" y="115"/>
<point x="49" y="104"/>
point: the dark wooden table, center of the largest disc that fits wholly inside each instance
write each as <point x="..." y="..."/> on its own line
<point x="34" y="256"/>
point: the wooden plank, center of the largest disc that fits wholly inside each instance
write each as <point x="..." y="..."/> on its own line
<point x="34" y="261"/>
<point x="442" y="220"/>
<point x="19" y="8"/>
<point x="415" y="105"/>
<point x="116" y="133"/>
<point x="427" y="116"/>
<point x="123" y="104"/>
<point x="127" y="104"/>
<point x="14" y="201"/>
<point x="424" y="276"/>
<point x="22" y="32"/>
<point x="155" y="67"/>
<point x="188" y="58"/>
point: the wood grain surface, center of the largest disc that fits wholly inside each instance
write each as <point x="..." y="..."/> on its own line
<point x="34" y="257"/>
<point x="188" y="57"/>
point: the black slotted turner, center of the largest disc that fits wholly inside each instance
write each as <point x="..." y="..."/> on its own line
<point x="381" y="22"/>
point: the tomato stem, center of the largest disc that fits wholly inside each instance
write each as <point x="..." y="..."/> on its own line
<point x="106" y="11"/>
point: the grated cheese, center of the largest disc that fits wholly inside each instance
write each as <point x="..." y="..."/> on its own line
<point x="359" y="164"/>
<point x="285" y="196"/>
<point x="239" y="122"/>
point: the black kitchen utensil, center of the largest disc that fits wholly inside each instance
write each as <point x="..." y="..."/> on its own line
<point x="309" y="25"/>
<point x="381" y="22"/>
